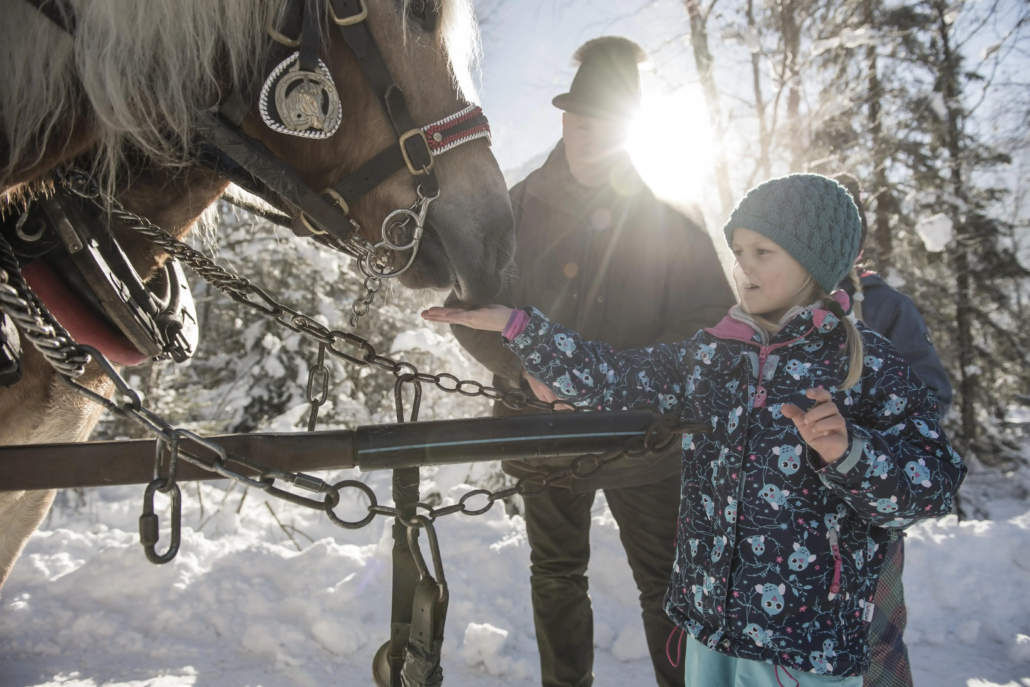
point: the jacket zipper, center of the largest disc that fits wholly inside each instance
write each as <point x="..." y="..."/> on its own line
<point x="835" y="548"/>
<point x="763" y="356"/>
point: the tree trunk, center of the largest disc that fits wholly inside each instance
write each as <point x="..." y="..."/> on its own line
<point x="764" y="140"/>
<point x="703" y="61"/>
<point x="965" y="312"/>
<point x="791" y="46"/>
<point x="886" y="202"/>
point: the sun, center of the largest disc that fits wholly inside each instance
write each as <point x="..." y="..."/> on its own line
<point x="670" y="142"/>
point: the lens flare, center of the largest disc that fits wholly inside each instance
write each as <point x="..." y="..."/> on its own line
<point x="670" y="142"/>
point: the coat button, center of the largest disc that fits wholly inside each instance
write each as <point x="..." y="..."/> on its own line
<point x="600" y="299"/>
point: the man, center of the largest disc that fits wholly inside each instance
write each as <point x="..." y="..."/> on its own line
<point x="599" y="253"/>
<point x="889" y="312"/>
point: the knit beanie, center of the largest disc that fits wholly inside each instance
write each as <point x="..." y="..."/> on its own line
<point x="810" y="216"/>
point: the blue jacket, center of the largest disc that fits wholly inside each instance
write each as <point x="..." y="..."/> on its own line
<point x="887" y="311"/>
<point x="777" y="556"/>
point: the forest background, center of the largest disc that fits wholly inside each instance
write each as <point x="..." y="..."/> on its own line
<point x="927" y="103"/>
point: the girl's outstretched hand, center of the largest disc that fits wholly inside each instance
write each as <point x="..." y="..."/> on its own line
<point x="822" y="427"/>
<point x="492" y="318"/>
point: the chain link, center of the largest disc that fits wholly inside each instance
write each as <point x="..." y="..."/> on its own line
<point x="319" y="371"/>
<point x="69" y="359"/>
<point x="41" y="328"/>
<point x="375" y="261"/>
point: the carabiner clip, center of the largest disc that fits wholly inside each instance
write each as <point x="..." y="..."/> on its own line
<point x="414" y="524"/>
<point x="149" y="526"/>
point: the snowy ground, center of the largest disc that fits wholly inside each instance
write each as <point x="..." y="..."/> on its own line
<point x="242" y="606"/>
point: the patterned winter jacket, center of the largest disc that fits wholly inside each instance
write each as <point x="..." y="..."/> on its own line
<point x="777" y="556"/>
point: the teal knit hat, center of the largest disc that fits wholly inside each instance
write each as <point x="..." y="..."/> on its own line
<point x="810" y="216"/>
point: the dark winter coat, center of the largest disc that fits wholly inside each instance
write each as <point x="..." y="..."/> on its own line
<point x="614" y="263"/>
<point x="764" y="528"/>
<point x="889" y="312"/>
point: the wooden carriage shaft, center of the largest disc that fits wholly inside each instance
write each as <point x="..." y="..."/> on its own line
<point x="376" y="447"/>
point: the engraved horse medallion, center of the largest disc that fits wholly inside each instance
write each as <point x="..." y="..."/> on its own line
<point x="306" y="103"/>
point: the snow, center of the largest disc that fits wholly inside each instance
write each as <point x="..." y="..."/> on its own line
<point x="936" y="232"/>
<point x="241" y="605"/>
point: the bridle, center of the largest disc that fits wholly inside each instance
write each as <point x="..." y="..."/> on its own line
<point x="295" y="68"/>
<point x="297" y="97"/>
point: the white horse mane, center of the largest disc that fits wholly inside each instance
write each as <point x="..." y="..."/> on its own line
<point x="146" y="68"/>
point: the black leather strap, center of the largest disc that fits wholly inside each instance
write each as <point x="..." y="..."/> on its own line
<point x="278" y="176"/>
<point x="311" y="36"/>
<point x="60" y="12"/>
<point x="371" y="174"/>
<point x="360" y="40"/>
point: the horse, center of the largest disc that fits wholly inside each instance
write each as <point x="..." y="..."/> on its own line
<point x="123" y="91"/>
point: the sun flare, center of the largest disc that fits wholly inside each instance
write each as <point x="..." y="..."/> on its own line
<point x="670" y="142"/>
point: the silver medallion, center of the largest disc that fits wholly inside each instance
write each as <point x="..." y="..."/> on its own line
<point x="306" y="103"/>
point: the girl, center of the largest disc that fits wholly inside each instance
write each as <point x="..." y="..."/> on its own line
<point x="821" y="438"/>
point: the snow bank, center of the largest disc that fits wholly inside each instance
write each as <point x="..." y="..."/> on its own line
<point x="969" y="582"/>
<point x="241" y="605"/>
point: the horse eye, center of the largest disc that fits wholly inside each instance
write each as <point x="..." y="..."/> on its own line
<point x="425" y="12"/>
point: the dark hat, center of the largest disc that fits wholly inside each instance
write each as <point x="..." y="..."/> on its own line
<point x="607" y="84"/>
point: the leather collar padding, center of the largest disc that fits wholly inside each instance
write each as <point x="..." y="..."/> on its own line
<point x="77" y="317"/>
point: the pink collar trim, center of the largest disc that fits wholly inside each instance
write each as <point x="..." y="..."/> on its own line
<point x="730" y="328"/>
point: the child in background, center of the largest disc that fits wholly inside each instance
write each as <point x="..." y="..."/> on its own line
<point x="822" y="439"/>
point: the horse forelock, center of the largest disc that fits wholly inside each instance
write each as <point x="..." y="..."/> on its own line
<point x="459" y="34"/>
<point x="142" y="70"/>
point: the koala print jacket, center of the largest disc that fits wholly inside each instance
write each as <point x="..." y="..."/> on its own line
<point x="777" y="555"/>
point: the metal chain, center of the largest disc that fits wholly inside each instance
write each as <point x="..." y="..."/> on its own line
<point x="375" y="264"/>
<point x="18" y="301"/>
<point x="316" y="398"/>
<point x="29" y="313"/>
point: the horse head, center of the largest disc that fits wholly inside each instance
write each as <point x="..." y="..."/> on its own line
<point x="124" y="88"/>
<point x="427" y="46"/>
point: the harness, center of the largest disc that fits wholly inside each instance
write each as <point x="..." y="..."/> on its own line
<point x="297" y="97"/>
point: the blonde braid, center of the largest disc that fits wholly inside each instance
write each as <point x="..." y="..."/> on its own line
<point x="856" y="346"/>
<point x="859" y="296"/>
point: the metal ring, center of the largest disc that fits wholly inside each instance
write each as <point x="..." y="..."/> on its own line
<point x="387" y="222"/>
<point x="334" y="501"/>
<point x="470" y="494"/>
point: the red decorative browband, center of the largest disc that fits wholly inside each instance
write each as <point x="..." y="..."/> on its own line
<point x="460" y="127"/>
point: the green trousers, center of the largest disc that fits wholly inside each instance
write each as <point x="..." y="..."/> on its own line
<point x="558" y="528"/>
<point x="707" y="668"/>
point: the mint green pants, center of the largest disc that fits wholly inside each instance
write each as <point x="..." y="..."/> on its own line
<point x="707" y="668"/>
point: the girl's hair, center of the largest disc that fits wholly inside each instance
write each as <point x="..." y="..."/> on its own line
<point x="856" y="302"/>
<point x="856" y="347"/>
